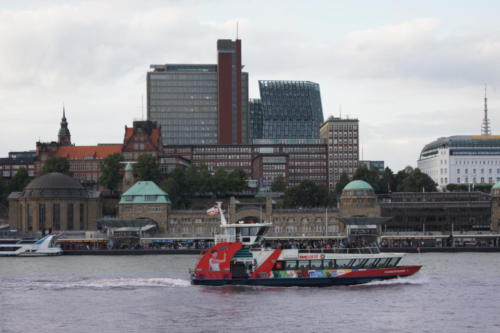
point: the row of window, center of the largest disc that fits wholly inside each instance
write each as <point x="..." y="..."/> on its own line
<point x="336" y="263"/>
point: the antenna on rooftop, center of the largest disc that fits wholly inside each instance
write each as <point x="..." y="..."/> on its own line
<point x="485" y="127"/>
<point x="340" y="110"/>
<point x="237" y="32"/>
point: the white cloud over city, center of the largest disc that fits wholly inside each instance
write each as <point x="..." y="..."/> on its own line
<point x="409" y="79"/>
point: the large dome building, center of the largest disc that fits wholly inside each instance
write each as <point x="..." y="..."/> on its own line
<point x="56" y="202"/>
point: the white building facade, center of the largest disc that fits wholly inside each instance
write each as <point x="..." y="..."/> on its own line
<point x="466" y="159"/>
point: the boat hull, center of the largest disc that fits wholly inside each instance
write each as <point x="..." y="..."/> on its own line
<point x="353" y="278"/>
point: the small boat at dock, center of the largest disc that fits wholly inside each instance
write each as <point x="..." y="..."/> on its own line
<point x="45" y="246"/>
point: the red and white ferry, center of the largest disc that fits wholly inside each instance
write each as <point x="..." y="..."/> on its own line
<point x="238" y="258"/>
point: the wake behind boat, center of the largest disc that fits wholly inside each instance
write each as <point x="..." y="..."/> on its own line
<point x="239" y="258"/>
<point x="45" y="246"/>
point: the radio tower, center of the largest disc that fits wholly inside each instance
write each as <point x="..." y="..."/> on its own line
<point x="485" y="127"/>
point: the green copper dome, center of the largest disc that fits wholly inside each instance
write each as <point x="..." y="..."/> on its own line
<point x="358" y="185"/>
<point x="497" y="185"/>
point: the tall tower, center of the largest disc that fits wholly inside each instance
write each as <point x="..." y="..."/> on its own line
<point x="485" y="127"/>
<point x="229" y="86"/>
<point x="64" y="136"/>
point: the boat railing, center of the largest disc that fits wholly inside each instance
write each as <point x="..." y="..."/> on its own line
<point x="355" y="250"/>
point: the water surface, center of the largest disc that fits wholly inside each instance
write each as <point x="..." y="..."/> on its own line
<point x="456" y="292"/>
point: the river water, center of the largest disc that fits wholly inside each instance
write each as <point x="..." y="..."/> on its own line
<point x="458" y="292"/>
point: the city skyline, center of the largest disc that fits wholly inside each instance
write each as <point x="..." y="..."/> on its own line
<point x="410" y="74"/>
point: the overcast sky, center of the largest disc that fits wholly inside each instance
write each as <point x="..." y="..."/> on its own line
<point x="411" y="71"/>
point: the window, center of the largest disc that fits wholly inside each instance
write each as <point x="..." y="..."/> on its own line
<point x="82" y="217"/>
<point x="56" y="216"/>
<point x="70" y="216"/>
<point x="41" y="216"/>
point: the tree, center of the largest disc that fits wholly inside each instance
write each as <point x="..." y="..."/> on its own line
<point x="387" y="181"/>
<point x="308" y="194"/>
<point x="147" y="168"/>
<point x="370" y="176"/>
<point x="111" y="171"/>
<point x="237" y="181"/>
<point x="198" y="179"/>
<point x="417" y="181"/>
<point x="19" y="181"/>
<point x="56" y="164"/>
<point x="343" y="181"/>
<point x="279" y="184"/>
<point x="220" y="183"/>
<point x="176" y="186"/>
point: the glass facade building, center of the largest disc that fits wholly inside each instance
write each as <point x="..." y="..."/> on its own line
<point x="290" y="109"/>
<point x="255" y="118"/>
<point x="182" y="99"/>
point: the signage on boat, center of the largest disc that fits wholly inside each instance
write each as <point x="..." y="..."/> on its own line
<point x="311" y="256"/>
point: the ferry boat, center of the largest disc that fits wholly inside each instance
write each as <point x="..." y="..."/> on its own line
<point x="239" y="258"/>
<point x="45" y="246"/>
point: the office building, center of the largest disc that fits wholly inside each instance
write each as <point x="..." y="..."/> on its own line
<point x="465" y="159"/>
<point x="342" y="137"/>
<point x="290" y="109"/>
<point x="255" y="119"/>
<point x="201" y="104"/>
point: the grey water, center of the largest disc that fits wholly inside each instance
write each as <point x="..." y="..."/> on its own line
<point x="455" y="292"/>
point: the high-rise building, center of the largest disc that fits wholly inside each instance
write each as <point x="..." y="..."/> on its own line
<point x="233" y="93"/>
<point x="182" y="99"/>
<point x="201" y="104"/>
<point x="342" y="136"/>
<point x="291" y="109"/>
<point x="255" y="119"/>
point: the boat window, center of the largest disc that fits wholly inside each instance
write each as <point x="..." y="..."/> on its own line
<point x="357" y="263"/>
<point x="245" y="231"/>
<point x="370" y="262"/>
<point x="290" y="264"/>
<point x="315" y="264"/>
<point x="343" y="263"/>
<point x="253" y="231"/>
<point x="393" y="262"/>
<point x="328" y="263"/>
<point x="304" y="264"/>
<point x="383" y="262"/>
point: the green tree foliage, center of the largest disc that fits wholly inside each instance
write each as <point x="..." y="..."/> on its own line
<point x="343" y="181"/>
<point x="486" y="188"/>
<point x="406" y="180"/>
<point x="279" y="184"/>
<point x="371" y="176"/>
<point x="182" y="185"/>
<point x="237" y="181"/>
<point x="111" y="169"/>
<point x="387" y="181"/>
<point x="56" y="164"/>
<point x="308" y="194"/>
<point x="220" y="183"/>
<point x="417" y="181"/>
<point x="176" y="185"/>
<point x="19" y="181"/>
<point x="147" y="168"/>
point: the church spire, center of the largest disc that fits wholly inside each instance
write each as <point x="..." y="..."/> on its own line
<point x="64" y="136"/>
<point x="485" y="127"/>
